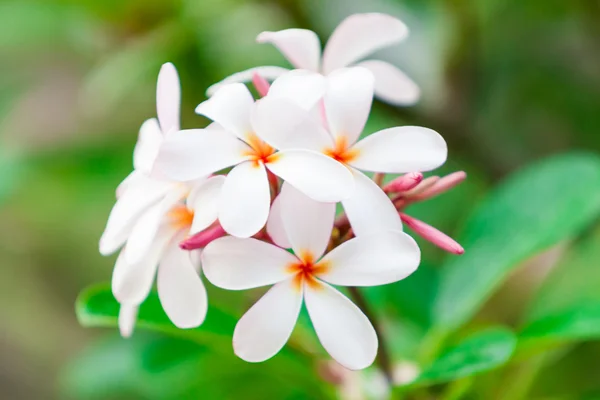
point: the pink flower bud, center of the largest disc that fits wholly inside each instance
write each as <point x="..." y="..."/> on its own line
<point x="432" y="235"/>
<point x="443" y="185"/>
<point x="404" y="182"/>
<point x="260" y="84"/>
<point x="202" y="239"/>
<point x="424" y="185"/>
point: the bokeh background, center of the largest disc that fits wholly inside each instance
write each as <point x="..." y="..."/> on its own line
<point x="506" y="82"/>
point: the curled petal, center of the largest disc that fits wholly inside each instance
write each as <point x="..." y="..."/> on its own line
<point x="433" y="235"/>
<point x="196" y="153"/>
<point x="401" y="149"/>
<point x="236" y="264"/>
<point x="230" y="107"/>
<point x="267" y="72"/>
<point x="372" y="260"/>
<point x="180" y="289"/>
<point x="314" y="174"/>
<point x="168" y="98"/>
<point x="300" y="46"/>
<point x="348" y="102"/>
<point x="360" y="35"/>
<point x="275" y="227"/>
<point x="265" y="328"/>
<point x="308" y="223"/>
<point x="245" y="200"/>
<point x="343" y="330"/>
<point x="285" y="125"/>
<point x="204" y="202"/>
<point x="127" y="318"/>
<point x="302" y="87"/>
<point x="391" y="84"/>
<point x="369" y="209"/>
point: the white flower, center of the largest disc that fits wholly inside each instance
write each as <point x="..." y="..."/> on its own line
<point x="345" y="332"/>
<point x="152" y="249"/>
<point x="356" y="37"/>
<point x="245" y="198"/>
<point x="151" y="216"/>
<point x="347" y="103"/>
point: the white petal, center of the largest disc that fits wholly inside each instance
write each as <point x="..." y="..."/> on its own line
<point x="319" y="177"/>
<point x="235" y="264"/>
<point x="139" y="195"/>
<point x="300" y="46"/>
<point x="372" y="260"/>
<point x="127" y="318"/>
<point x="142" y="235"/>
<point x="131" y="283"/>
<point x="204" y="201"/>
<point x="369" y="209"/>
<point x="302" y="87"/>
<point x="348" y="102"/>
<point x="230" y="107"/>
<point x="180" y="289"/>
<point x="307" y="223"/>
<point x="391" y="84"/>
<point x="285" y="125"/>
<point x="168" y="98"/>
<point x="402" y="149"/>
<point x="147" y="146"/>
<point x="245" y="200"/>
<point x="191" y="154"/>
<point x="275" y="227"/>
<point x="268" y="72"/>
<point x="343" y="330"/>
<point x="360" y="35"/>
<point x="129" y="180"/>
<point x="265" y="328"/>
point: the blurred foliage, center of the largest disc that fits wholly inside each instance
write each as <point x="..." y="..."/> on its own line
<point x="511" y="85"/>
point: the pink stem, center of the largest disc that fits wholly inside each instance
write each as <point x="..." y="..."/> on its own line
<point x="201" y="239"/>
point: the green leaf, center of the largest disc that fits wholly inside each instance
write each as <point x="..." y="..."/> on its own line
<point x="96" y="307"/>
<point x="481" y="352"/>
<point x="537" y="207"/>
<point x="581" y="322"/>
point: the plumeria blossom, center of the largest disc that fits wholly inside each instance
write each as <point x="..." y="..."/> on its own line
<point x="307" y="275"/>
<point x="355" y="38"/>
<point x="149" y="219"/>
<point x="347" y="103"/>
<point x="238" y="141"/>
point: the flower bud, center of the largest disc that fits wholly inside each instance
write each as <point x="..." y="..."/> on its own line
<point x="443" y="185"/>
<point x="201" y="239"/>
<point x="432" y="235"/>
<point x="404" y="182"/>
<point x="260" y="84"/>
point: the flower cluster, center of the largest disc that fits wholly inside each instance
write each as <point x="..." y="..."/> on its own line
<point x="251" y="199"/>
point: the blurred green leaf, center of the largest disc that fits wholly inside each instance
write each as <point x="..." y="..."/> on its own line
<point x="537" y="207"/>
<point x="96" y="307"/>
<point x="480" y="352"/>
<point x="581" y="322"/>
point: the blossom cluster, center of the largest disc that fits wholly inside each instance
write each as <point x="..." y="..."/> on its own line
<point x="251" y="199"/>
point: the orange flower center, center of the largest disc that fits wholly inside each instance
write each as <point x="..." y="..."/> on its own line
<point x="181" y="217"/>
<point x="341" y="151"/>
<point x="261" y="152"/>
<point x="306" y="269"/>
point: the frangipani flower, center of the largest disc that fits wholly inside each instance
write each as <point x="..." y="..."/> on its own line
<point x="149" y="219"/>
<point x="245" y="199"/>
<point x="158" y="231"/>
<point x="356" y="37"/>
<point x="347" y="104"/>
<point x="345" y="332"/>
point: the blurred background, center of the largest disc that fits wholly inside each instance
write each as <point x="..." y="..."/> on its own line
<point x="506" y="82"/>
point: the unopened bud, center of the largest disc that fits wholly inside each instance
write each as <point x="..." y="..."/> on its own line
<point x="443" y="185"/>
<point x="404" y="182"/>
<point x="202" y="239"/>
<point x="421" y="187"/>
<point x="260" y="84"/>
<point x="432" y="235"/>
